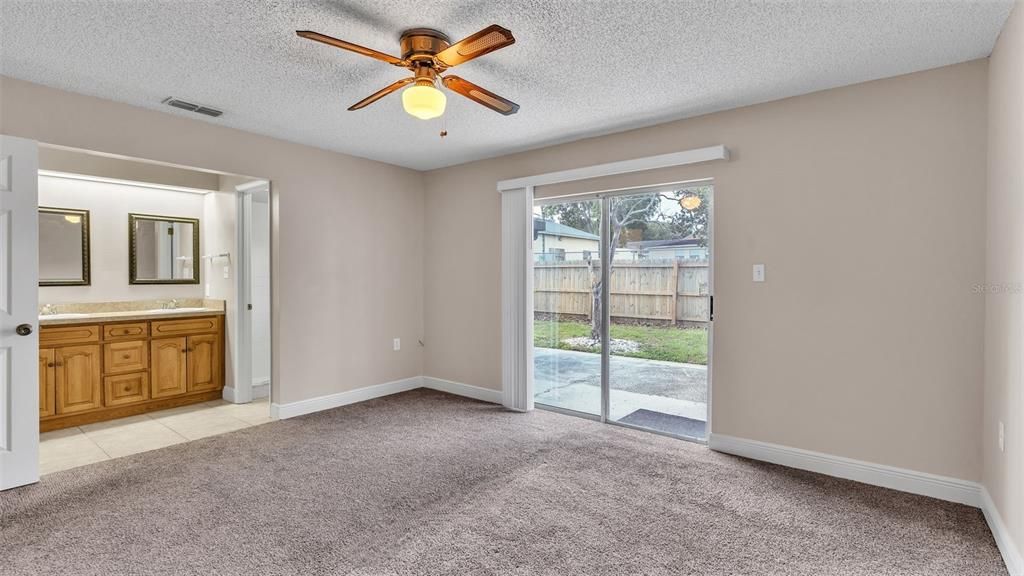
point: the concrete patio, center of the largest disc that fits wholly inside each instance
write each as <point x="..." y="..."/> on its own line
<point x="572" y="380"/>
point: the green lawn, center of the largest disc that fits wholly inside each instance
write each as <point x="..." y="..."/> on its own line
<point x="688" y="345"/>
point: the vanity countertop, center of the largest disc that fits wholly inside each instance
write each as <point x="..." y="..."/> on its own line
<point x="125" y="315"/>
<point x="96" y="312"/>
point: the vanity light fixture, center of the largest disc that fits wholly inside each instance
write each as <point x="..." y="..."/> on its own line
<point x="152" y="185"/>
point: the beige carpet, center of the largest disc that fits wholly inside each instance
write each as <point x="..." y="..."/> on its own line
<point x="426" y="483"/>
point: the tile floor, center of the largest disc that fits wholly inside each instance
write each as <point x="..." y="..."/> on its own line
<point x="72" y="447"/>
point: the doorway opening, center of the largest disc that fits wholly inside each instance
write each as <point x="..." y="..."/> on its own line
<point x="628" y="343"/>
<point x="154" y="305"/>
<point x="253" y="229"/>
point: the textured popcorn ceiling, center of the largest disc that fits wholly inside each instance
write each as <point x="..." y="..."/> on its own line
<point x="578" y="68"/>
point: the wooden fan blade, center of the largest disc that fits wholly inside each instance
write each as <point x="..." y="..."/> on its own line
<point x="350" y="47"/>
<point x="480" y="95"/>
<point x="488" y="40"/>
<point x="381" y="93"/>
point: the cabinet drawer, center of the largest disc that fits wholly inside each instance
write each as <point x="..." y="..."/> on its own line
<point x="125" y="389"/>
<point x="186" y="326"/>
<point x="125" y="331"/>
<point x="120" y="357"/>
<point x="60" y="335"/>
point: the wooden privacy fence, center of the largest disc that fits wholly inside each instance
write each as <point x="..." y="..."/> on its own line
<point x="666" y="290"/>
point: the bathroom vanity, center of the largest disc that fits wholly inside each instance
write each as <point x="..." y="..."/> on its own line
<point x="101" y="365"/>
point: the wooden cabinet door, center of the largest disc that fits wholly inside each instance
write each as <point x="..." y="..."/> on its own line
<point x="47" y="382"/>
<point x="77" y="383"/>
<point x="204" y="362"/>
<point x="168" y="376"/>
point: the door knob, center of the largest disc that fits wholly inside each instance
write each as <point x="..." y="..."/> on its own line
<point x="23" y="329"/>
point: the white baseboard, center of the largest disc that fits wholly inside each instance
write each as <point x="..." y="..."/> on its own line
<point x="460" y="389"/>
<point x="228" y="394"/>
<point x="260" y="389"/>
<point x="292" y="409"/>
<point x="923" y="483"/>
<point x="1011" y="554"/>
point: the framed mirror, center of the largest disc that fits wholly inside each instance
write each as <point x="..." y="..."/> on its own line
<point x="63" y="247"/>
<point x="163" y="250"/>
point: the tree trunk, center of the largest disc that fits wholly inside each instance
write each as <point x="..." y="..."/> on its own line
<point x="632" y="212"/>
<point x="597" y="312"/>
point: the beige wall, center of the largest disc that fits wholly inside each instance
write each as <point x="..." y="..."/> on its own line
<point x="866" y="340"/>
<point x="1004" y="313"/>
<point x="107" y="167"/>
<point x="336" y="309"/>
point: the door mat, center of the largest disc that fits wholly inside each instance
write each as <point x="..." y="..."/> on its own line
<point x="670" y="423"/>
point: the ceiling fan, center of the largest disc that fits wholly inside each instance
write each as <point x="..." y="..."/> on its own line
<point x="428" y="53"/>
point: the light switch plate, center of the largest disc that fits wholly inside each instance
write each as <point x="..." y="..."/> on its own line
<point x="227" y="272"/>
<point x="1002" y="437"/>
<point x="398" y="344"/>
<point x="758" y="272"/>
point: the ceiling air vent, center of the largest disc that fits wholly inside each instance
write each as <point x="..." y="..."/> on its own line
<point x="171" y="101"/>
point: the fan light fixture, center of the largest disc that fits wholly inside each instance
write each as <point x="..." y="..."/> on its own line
<point x="424" y="101"/>
<point x="430" y="55"/>
<point x="690" y="202"/>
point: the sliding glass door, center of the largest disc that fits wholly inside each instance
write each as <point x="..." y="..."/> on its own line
<point x="629" y="344"/>
<point x="659" y="307"/>
<point x="567" y="341"/>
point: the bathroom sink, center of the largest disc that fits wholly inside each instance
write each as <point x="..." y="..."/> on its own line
<point x="62" y="316"/>
<point x="173" y="310"/>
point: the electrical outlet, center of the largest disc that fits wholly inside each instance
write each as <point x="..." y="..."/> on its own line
<point x="758" y="272"/>
<point x="1002" y="437"/>
<point x="207" y="291"/>
<point x="227" y="272"/>
<point x="398" y="344"/>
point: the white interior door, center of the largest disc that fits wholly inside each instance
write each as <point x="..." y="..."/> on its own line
<point x="252" y="339"/>
<point x="259" y="286"/>
<point x="243" y="306"/>
<point x="19" y="312"/>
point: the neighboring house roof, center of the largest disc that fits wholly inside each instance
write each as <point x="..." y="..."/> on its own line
<point x="644" y="244"/>
<point x="552" y="228"/>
